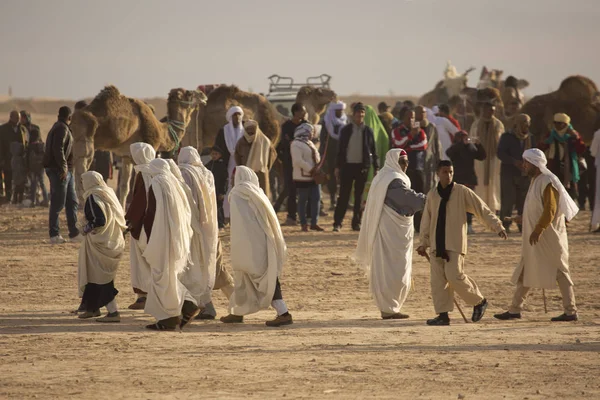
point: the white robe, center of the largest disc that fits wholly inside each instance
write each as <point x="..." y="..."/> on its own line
<point x="232" y="136"/>
<point x="258" y="250"/>
<point x="102" y="249"/>
<point x="490" y="194"/>
<point x="142" y="154"/>
<point x="168" y="248"/>
<point x="541" y="262"/>
<point x="595" y="150"/>
<point x="385" y="242"/>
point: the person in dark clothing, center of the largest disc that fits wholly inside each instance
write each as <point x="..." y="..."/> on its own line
<point x="35" y="162"/>
<point x="463" y="154"/>
<point x="587" y="181"/>
<point x="514" y="182"/>
<point x="333" y="122"/>
<point x="58" y="161"/>
<point x="218" y="167"/>
<point x="283" y="153"/>
<point x="410" y="137"/>
<point x="102" y="163"/>
<point x="10" y="132"/>
<point x="356" y="155"/>
<point x="18" y="165"/>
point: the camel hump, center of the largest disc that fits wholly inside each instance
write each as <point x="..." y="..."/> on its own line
<point x="224" y="92"/>
<point x="578" y="87"/>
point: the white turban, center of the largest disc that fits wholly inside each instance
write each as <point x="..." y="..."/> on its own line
<point x="233" y="110"/>
<point x="566" y="205"/>
<point x="142" y="153"/>
<point x="340" y="105"/>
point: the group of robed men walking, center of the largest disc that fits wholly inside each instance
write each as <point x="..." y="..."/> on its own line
<point x="176" y="254"/>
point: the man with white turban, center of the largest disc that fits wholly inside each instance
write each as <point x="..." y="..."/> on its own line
<point x="545" y="252"/>
<point x="200" y="277"/>
<point x="385" y="242"/>
<point x="595" y="151"/>
<point x="167" y="226"/>
<point x="258" y="252"/>
<point x="254" y="151"/>
<point x="142" y="154"/>
<point x="101" y="249"/>
<point x="226" y="140"/>
<point x="335" y="119"/>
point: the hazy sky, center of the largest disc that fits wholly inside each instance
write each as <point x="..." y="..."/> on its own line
<point x="72" y="48"/>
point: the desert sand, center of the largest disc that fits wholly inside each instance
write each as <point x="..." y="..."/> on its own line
<point x="338" y="346"/>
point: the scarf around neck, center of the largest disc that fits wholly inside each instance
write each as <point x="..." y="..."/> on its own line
<point x="571" y="159"/>
<point x="440" y="230"/>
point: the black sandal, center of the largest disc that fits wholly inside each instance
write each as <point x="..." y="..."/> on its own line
<point x="160" y="327"/>
<point x="189" y="311"/>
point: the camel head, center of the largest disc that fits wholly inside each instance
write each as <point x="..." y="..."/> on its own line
<point x="316" y="98"/>
<point x="181" y="104"/>
<point x="490" y="78"/>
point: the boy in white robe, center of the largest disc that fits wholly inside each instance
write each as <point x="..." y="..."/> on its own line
<point x="545" y="251"/>
<point x="167" y="224"/>
<point x="444" y="230"/>
<point x="258" y="252"/>
<point x="142" y="154"/>
<point x="385" y="243"/>
<point x="102" y="248"/>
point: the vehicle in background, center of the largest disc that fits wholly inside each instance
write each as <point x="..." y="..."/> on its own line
<point x="283" y="90"/>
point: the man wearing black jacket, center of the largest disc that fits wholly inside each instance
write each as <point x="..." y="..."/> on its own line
<point x="58" y="161"/>
<point x="356" y="154"/>
<point x="283" y="153"/>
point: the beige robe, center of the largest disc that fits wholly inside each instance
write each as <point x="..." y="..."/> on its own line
<point x="541" y="262"/>
<point x="242" y="153"/>
<point x="489" y="193"/>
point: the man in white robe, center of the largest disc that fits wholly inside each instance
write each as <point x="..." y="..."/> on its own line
<point x="102" y="248"/>
<point x="545" y="252"/>
<point x="142" y="154"/>
<point x="488" y="129"/>
<point x="167" y="224"/>
<point x="258" y="252"/>
<point x="226" y="140"/>
<point x="205" y="242"/>
<point x="385" y="243"/>
<point x="595" y="151"/>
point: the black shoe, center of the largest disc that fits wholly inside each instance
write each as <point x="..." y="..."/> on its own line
<point x="505" y="316"/>
<point x="479" y="310"/>
<point x="356" y="227"/>
<point x="439" y="321"/>
<point x="336" y="228"/>
<point x="205" y="316"/>
<point x="565" y="318"/>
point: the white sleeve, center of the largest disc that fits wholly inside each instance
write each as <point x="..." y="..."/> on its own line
<point x="595" y="147"/>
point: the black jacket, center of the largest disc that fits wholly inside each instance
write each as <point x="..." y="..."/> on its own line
<point x="8" y="136"/>
<point x="369" y="151"/>
<point x="463" y="157"/>
<point x="287" y="137"/>
<point x="510" y="150"/>
<point x="219" y="171"/>
<point x="59" y="148"/>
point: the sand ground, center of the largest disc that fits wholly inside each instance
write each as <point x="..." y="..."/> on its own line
<point x="337" y="348"/>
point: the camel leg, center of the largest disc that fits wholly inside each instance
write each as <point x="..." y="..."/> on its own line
<point x="83" y="155"/>
<point x="124" y="178"/>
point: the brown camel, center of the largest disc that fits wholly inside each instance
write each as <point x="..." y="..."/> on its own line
<point x="113" y="122"/>
<point x="577" y="96"/>
<point x="209" y="119"/>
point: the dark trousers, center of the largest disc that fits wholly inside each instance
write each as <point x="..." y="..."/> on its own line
<point x="417" y="183"/>
<point x="289" y="192"/>
<point x="62" y="195"/>
<point x="220" y="214"/>
<point x="309" y="199"/>
<point x="513" y="190"/>
<point x="37" y="178"/>
<point x="332" y="183"/>
<point x="277" y="293"/>
<point x="350" y="174"/>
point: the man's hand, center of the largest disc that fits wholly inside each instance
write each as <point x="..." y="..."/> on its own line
<point x="534" y="238"/>
<point x="63" y="175"/>
<point x="422" y="251"/>
<point x="220" y="197"/>
<point x="503" y="234"/>
<point x="375" y="171"/>
<point x="336" y="172"/>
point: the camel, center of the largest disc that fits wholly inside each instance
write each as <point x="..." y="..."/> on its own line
<point x="113" y="122"/>
<point x="577" y="96"/>
<point x="209" y="119"/>
<point x="511" y="90"/>
<point x="447" y="89"/>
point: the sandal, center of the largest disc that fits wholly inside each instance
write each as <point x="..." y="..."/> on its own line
<point x="188" y="312"/>
<point x="159" y="327"/>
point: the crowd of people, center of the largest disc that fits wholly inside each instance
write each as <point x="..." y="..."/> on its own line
<point x="436" y="177"/>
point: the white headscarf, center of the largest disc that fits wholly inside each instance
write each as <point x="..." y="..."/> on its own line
<point x="93" y="184"/>
<point x="247" y="187"/>
<point x="189" y="161"/>
<point x="566" y="205"/>
<point x="142" y="153"/>
<point x="331" y="120"/>
<point x="232" y="133"/>
<point x="171" y="231"/>
<point x="304" y="132"/>
<point x="377" y="193"/>
<point x="195" y="222"/>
